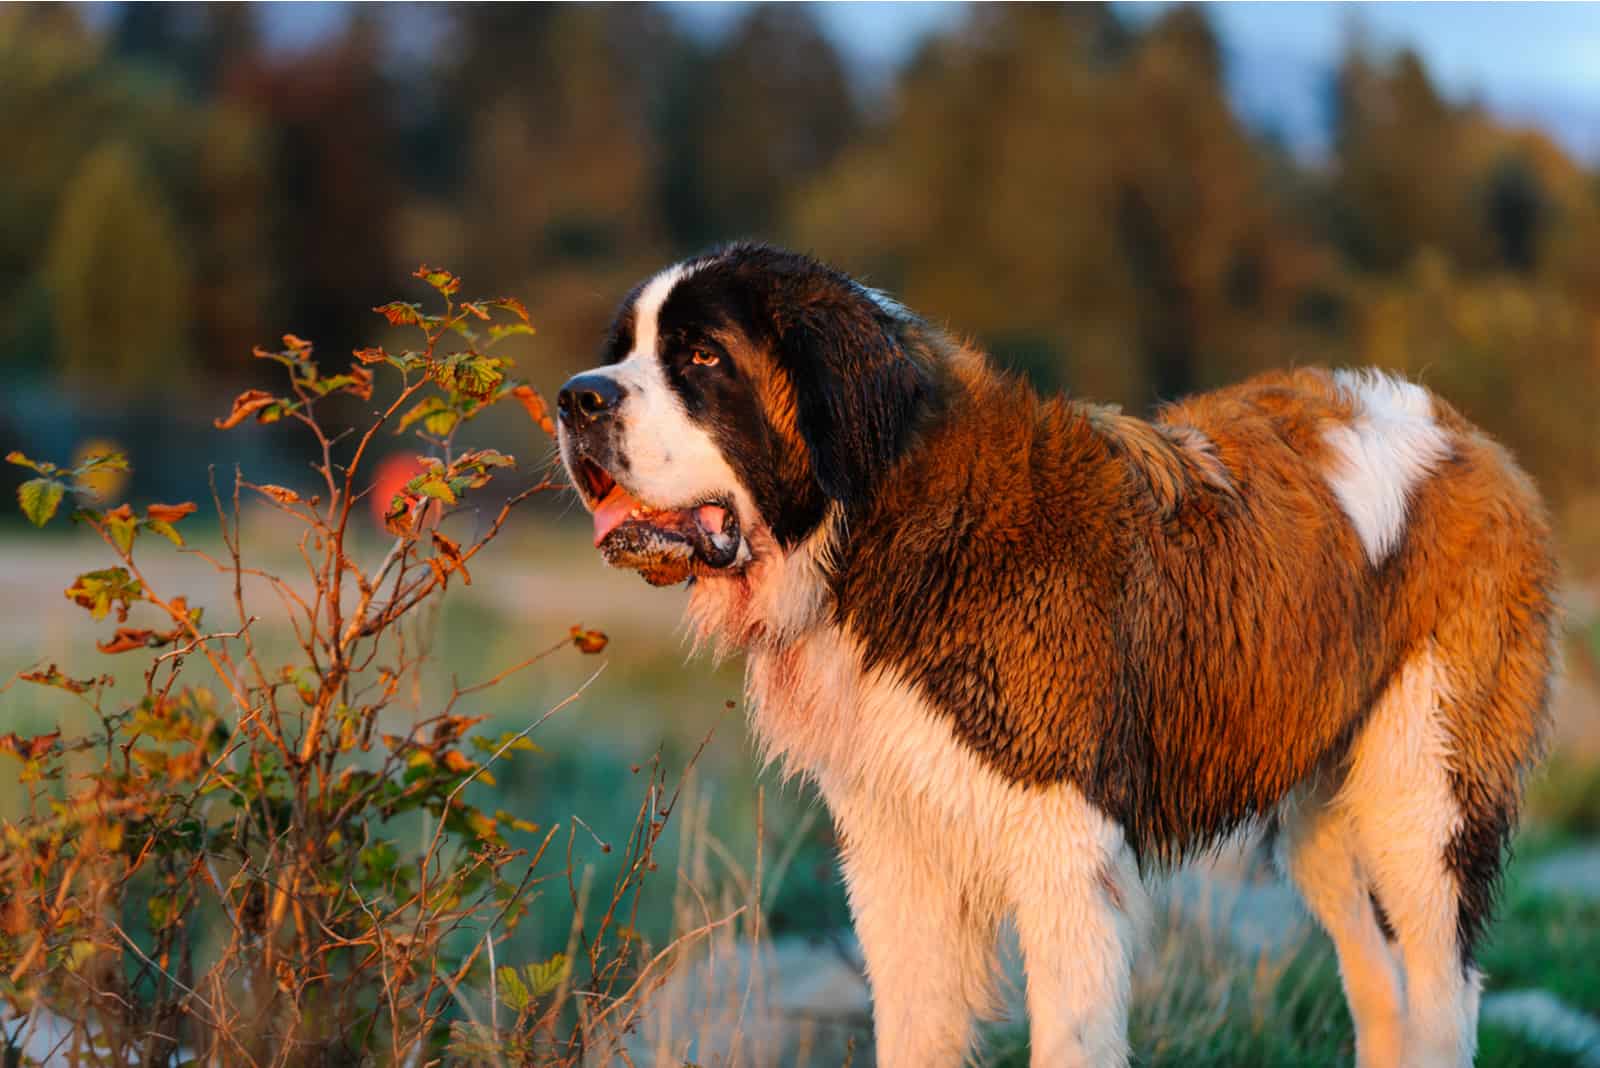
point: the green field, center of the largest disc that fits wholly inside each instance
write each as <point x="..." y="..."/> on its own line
<point x="1200" y="1000"/>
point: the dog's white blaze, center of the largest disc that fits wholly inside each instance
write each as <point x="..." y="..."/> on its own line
<point x="647" y="307"/>
<point x="939" y="849"/>
<point x="1390" y="446"/>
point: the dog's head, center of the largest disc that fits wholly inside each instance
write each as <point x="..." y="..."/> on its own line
<point x="742" y="395"/>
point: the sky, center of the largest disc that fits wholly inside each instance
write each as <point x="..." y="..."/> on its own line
<point x="1531" y="63"/>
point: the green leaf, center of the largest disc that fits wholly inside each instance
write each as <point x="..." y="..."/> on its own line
<point x="516" y="823"/>
<point x="439" y="278"/>
<point x="437" y="417"/>
<point x="380" y="860"/>
<point x="122" y="526"/>
<point x="324" y="386"/>
<point x="407" y="361"/>
<point x="110" y="461"/>
<point x="400" y="313"/>
<point x="166" y="530"/>
<point x="492" y="745"/>
<point x="99" y="590"/>
<point x="163" y="910"/>
<point x="438" y="489"/>
<point x="489" y="458"/>
<point x="500" y="330"/>
<point x="544" y="978"/>
<point x="80" y="953"/>
<point x="40" y="497"/>
<point x="471" y="373"/>
<point x="510" y="304"/>
<point x="513" y="994"/>
<point x="52" y="676"/>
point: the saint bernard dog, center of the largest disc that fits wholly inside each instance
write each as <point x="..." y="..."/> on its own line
<point x="1032" y="649"/>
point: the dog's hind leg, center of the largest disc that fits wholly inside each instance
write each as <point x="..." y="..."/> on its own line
<point x="1318" y="852"/>
<point x="1409" y="821"/>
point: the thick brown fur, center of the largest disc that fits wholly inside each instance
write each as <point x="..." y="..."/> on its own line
<point x="1025" y="645"/>
<point x="1179" y="618"/>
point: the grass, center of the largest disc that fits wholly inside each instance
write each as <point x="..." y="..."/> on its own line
<point x="1564" y="799"/>
<point x="1199" y="1003"/>
<point x="1549" y="941"/>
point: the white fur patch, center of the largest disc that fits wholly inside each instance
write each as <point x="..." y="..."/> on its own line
<point x="1318" y="851"/>
<point x="1390" y="446"/>
<point x="647" y="306"/>
<point x="940" y="849"/>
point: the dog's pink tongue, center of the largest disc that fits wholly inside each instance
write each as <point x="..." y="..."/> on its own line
<point x="712" y="517"/>
<point x="612" y="512"/>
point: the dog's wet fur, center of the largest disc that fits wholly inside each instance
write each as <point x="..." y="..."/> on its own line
<point x="1031" y="649"/>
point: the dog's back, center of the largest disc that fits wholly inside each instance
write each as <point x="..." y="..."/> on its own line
<point x="1322" y="601"/>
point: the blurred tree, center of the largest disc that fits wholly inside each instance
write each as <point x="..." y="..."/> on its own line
<point x="983" y="196"/>
<point x="1082" y="196"/>
<point x="1072" y="187"/>
<point x="1400" y="176"/>
<point x="749" y="119"/>
<point x="331" y="179"/>
<point x="151" y="32"/>
<point x="199" y="43"/>
<point x="117" y="275"/>
<point x="62" y="97"/>
<point x="1516" y="211"/>
<point x="556" y="200"/>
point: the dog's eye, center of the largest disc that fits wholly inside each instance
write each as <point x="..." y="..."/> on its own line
<point x="704" y="358"/>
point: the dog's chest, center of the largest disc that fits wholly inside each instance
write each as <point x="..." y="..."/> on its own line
<point x="900" y="784"/>
<point x="869" y="741"/>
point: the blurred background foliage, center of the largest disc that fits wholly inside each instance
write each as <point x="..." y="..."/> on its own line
<point x="1069" y="186"/>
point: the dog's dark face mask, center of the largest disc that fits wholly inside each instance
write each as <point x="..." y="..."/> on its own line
<point x="747" y="390"/>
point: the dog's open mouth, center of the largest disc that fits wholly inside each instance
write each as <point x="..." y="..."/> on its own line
<point x="662" y="544"/>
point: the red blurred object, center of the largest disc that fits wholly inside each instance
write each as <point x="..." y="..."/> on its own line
<point x="392" y="475"/>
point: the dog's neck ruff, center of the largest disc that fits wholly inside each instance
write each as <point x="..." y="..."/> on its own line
<point x="773" y="601"/>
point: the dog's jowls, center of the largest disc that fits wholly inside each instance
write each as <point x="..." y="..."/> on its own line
<point x="1028" y="648"/>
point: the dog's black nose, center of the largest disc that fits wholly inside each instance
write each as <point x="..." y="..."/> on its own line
<point x="588" y="398"/>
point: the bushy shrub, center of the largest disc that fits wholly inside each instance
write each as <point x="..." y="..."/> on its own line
<point x="214" y="875"/>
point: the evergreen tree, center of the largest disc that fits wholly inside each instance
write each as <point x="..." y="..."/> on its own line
<point x="749" y="121"/>
<point x="117" y="275"/>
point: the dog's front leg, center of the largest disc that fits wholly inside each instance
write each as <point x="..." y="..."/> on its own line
<point x="929" y="946"/>
<point x="1078" y="904"/>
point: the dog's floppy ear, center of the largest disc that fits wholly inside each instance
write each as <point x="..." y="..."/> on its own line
<point x="857" y="390"/>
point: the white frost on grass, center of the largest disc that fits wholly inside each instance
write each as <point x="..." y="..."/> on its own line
<point x="1547" y="1020"/>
